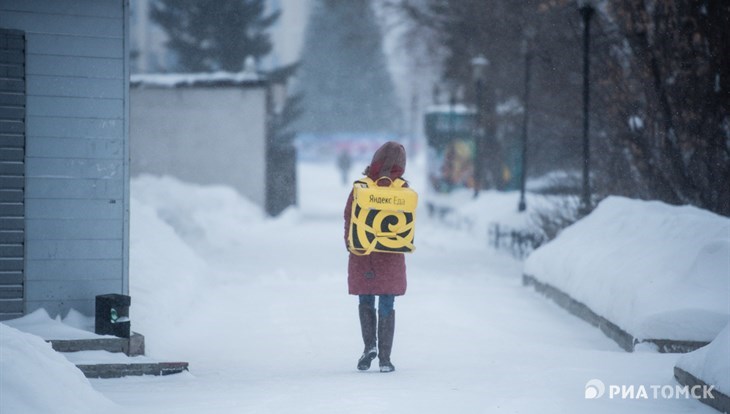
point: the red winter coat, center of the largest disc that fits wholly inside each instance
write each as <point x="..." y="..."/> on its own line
<point x="378" y="273"/>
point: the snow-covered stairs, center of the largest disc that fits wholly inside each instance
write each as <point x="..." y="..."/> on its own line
<point x="97" y="356"/>
<point x="112" y="357"/>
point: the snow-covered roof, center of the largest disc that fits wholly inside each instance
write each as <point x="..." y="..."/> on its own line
<point x="176" y="80"/>
<point x="446" y="108"/>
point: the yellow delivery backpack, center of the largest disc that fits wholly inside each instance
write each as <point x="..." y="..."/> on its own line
<point x="383" y="218"/>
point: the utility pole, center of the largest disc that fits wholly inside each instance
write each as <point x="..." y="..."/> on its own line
<point x="587" y="10"/>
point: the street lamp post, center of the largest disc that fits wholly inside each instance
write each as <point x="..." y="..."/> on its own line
<point x="479" y="64"/>
<point x="587" y="9"/>
<point x="527" y="50"/>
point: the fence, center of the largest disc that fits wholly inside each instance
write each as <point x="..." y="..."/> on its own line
<point x="518" y="242"/>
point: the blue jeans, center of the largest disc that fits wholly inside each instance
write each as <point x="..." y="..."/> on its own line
<point x="385" y="303"/>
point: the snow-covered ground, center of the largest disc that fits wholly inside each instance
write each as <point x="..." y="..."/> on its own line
<point x="259" y="308"/>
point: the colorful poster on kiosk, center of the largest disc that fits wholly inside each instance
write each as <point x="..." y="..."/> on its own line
<point x="451" y="147"/>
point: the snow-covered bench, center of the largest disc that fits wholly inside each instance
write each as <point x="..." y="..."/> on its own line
<point x="706" y="366"/>
<point x="644" y="272"/>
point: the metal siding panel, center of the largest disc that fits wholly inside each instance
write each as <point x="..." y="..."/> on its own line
<point x="37" y="229"/>
<point x="107" y="68"/>
<point x="11" y="56"/>
<point x="15" y="113"/>
<point x="73" y="249"/>
<point x="72" y="269"/>
<point x="101" y="8"/>
<point x="12" y="99"/>
<point x="12" y="168"/>
<point x="127" y="166"/>
<point x="11" y="291"/>
<point x="72" y="168"/>
<point x="11" y="250"/>
<point x="11" y="196"/>
<point x="75" y="107"/>
<point x="11" y="264"/>
<point x="50" y="290"/>
<point x="12" y="126"/>
<point x="12" y="85"/>
<point x="12" y="236"/>
<point x="83" y="46"/>
<point x="75" y="148"/>
<point x="12" y="224"/>
<point x="12" y="140"/>
<point x="11" y="278"/>
<point x="74" y="127"/>
<point x="12" y="182"/>
<point x="12" y="112"/>
<point x="72" y="209"/>
<point x="11" y="210"/>
<point x="74" y="188"/>
<point x="12" y="71"/>
<point x="11" y="40"/>
<point x="7" y="182"/>
<point x="11" y="306"/>
<point x="36" y="22"/>
<point x="12" y="154"/>
<point x="39" y="85"/>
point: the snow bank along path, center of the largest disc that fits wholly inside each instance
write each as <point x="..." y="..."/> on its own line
<point x="657" y="271"/>
<point x="36" y="379"/>
<point x="260" y="309"/>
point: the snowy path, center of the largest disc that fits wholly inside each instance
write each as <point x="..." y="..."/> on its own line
<point x="278" y="333"/>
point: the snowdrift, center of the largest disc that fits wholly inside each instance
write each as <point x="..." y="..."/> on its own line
<point x="658" y="272"/>
<point x="170" y="224"/>
<point x="39" y="323"/>
<point x="186" y="241"/>
<point x="36" y="379"/>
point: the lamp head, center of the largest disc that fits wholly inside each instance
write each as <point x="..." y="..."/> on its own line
<point x="586" y="7"/>
<point x="479" y="65"/>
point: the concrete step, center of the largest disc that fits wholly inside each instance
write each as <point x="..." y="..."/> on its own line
<point x="132" y="346"/>
<point x="125" y="370"/>
<point x="105" y="364"/>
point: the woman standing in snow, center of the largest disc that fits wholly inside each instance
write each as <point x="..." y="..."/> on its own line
<point x="381" y="274"/>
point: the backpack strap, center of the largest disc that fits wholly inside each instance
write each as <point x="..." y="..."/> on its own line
<point x="370" y="183"/>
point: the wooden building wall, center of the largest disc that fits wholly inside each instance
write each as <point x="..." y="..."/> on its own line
<point x="76" y="150"/>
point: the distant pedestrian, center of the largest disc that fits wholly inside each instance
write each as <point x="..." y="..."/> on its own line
<point x="378" y="273"/>
<point x="344" y="162"/>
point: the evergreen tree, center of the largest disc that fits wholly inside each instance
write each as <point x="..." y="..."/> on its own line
<point x="343" y="76"/>
<point x="209" y="35"/>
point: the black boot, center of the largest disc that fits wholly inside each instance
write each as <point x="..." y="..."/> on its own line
<point x="386" y="329"/>
<point x="367" y="325"/>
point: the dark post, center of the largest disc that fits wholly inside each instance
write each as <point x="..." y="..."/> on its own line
<point x="452" y="109"/>
<point x="479" y="64"/>
<point x="586" y="11"/>
<point x="478" y="137"/>
<point x="525" y="119"/>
